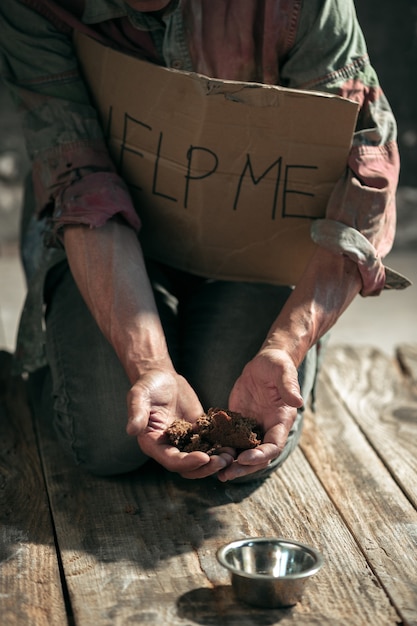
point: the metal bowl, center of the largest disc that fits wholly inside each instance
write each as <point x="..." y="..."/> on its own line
<point x="269" y="572"/>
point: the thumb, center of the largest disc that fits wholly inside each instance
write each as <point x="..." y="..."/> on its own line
<point x="138" y="409"/>
<point x="290" y="389"/>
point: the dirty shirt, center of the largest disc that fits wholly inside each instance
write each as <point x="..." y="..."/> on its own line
<point x="314" y="44"/>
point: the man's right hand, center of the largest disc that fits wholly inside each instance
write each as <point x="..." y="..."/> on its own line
<point x="154" y="402"/>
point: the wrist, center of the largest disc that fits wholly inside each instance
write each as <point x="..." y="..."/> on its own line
<point x="295" y="330"/>
<point x="142" y="350"/>
<point x="293" y="342"/>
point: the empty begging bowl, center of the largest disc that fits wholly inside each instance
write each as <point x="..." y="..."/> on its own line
<point x="269" y="572"/>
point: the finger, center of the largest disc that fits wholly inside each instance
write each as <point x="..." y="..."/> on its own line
<point x="193" y="464"/>
<point x="138" y="408"/>
<point x="290" y="388"/>
<point x="171" y="457"/>
<point x="262" y="455"/>
<point x="137" y="421"/>
<point x="236" y="470"/>
<point x="227" y="450"/>
<point x="188" y="464"/>
<point x="251" y="461"/>
<point x="217" y="464"/>
<point x="255" y="459"/>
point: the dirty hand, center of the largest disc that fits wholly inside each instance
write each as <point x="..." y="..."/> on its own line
<point x="154" y="402"/>
<point x="268" y="391"/>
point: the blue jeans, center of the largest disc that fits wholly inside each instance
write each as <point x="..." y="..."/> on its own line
<point x="213" y="328"/>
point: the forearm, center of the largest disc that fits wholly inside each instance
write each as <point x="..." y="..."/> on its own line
<point x="108" y="267"/>
<point x="326" y="289"/>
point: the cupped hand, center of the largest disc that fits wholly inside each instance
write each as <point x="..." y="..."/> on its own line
<point x="154" y="402"/>
<point x="268" y="391"/>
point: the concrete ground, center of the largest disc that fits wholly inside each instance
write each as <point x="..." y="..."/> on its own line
<point x="12" y="293"/>
<point x="387" y="320"/>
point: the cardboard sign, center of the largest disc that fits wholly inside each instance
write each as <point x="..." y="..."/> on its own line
<point x="226" y="176"/>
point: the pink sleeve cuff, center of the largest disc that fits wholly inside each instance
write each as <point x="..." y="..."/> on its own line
<point x="364" y="197"/>
<point x="77" y="184"/>
<point x="93" y="200"/>
<point x="342" y="239"/>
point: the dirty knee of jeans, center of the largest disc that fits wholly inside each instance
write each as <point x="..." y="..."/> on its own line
<point x="101" y="456"/>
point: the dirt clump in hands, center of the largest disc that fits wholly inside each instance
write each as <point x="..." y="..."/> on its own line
<point x="218" y="428"/>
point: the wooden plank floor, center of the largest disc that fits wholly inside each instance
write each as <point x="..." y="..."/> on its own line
<point x="140" y="549"/>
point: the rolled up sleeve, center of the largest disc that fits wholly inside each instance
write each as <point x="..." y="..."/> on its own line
<point x="331" y="56"/>
<point x="365" y="197"/>
<point x="74" y="178"/>
<point x="79" y="184"/>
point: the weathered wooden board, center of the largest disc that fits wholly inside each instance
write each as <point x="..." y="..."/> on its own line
<point x="293" y="503"/>
<point x="30" y="588"/>
<point x="374" y="389"/>
<point x="381" y="518"/>
<point x="141" y="548"/>
<point x="407" y="357"/>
